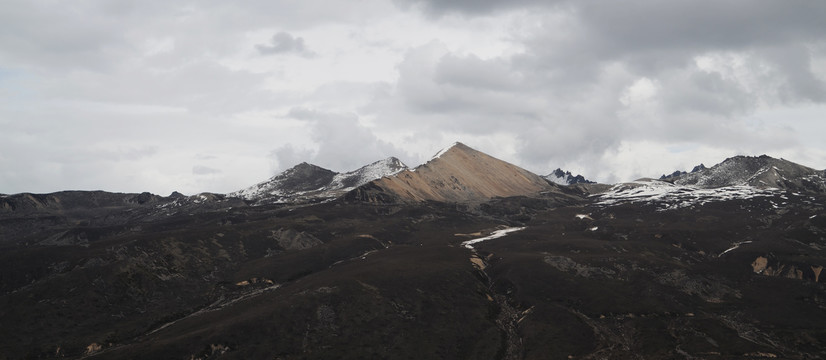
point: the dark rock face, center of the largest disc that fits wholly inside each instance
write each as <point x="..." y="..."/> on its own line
<point x="372" y="194"/>
<point x="590" y="273"/>
<point x="697" y="168"/>
<point x="761" y="172"/>
<point x="304" y="177"/>
<point x="678" y="173"/>
<point x="176" y="195"/>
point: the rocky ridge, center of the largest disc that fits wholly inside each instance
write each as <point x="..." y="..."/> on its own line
<point x="307" y="183"/>
<point x="760" y="172"/>
<point x="680" y="173"/>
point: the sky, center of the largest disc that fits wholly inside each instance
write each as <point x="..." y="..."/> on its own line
<point x="214" y="96"/>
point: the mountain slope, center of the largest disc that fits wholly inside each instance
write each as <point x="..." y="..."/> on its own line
<point x="310" y="183"/>
<point x="761" y="172"/>
<point x="457" y="174"/>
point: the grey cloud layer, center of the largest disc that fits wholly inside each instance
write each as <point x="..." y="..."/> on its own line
<point x="343" y="143"/>
<point x="284" y="43"/>
<point x="94" y="85"/>
<point x="581" y="56"/>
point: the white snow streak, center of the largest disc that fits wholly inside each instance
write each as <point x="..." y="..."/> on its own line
<point x="735" y="246"/>
<point x="443" y="151"/>
<point x="494" y="235"/>
<point x="677" y="196"/>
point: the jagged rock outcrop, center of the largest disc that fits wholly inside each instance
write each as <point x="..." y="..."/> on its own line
<point x="678" y="173"/>
<point x="760" y="264"/>
<point x="566" y="178"/>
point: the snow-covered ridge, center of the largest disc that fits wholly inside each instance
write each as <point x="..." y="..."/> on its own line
<point x="674" y="196"/>
<point x="377" y="170"/>
<point x="443" y="151"/>
<point x="309" y="183"/>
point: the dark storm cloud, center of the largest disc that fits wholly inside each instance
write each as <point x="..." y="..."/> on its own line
<point x="284" y="43"/>
<point x="652" y="35"/>
<point x="474" y="7"/>
<point x="631" y="27"/>
<point x="657" y="24"/>
<point x="561" y="95"/>
<point x="797" y="82"/>
<point x="704" y="92"/>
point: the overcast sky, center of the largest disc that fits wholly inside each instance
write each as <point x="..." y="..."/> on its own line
<point x="197" y="96"/>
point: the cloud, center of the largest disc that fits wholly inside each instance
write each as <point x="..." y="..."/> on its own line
<point x="470" y="7"/>
<point x="284" y="43"/>
<point x="122" y="94"/>
<point x="566" y="95"/>
<point x="342" y="142"/>
<point x="204" y="170"/>
<point x="287" y="156"/>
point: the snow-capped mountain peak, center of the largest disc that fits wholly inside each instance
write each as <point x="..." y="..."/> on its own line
<point x="566" y="178"/>
<point x="310" y="183"/>
<point x="457" y="174"/>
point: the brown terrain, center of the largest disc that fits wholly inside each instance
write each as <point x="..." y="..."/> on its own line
<point x="459" y="175"/>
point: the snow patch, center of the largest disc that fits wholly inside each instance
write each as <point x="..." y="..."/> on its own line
<point x="735" y="246"/>
<point x="496" y="234"/>
<point x="559" y="180"/>
<point x="673" y="196"/>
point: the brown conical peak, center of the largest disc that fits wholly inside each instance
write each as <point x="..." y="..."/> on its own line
<point x="462" y="174"/>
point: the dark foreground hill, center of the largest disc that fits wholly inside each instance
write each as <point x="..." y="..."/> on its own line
<point x="648" y="270"/>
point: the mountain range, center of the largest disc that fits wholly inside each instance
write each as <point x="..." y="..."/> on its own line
<point x="465" y="256"/>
